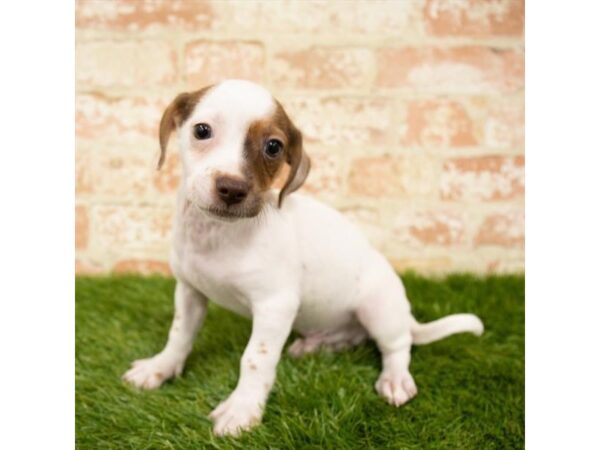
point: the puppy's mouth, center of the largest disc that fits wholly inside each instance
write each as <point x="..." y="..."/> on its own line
<point x="230" y="215"/>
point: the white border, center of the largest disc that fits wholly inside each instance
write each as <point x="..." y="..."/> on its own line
<point x="37" y="236"/>
<point x="563" y="224"/>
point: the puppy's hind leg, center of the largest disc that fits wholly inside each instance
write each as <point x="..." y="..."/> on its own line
<point x="385" y="314"/>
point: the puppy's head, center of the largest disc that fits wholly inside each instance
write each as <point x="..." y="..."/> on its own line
<point x="234" y="138"/>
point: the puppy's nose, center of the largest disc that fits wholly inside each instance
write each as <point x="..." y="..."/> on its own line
<point x="232" y="190"/>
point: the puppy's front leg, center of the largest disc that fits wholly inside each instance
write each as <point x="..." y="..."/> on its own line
<point x="271" y="325"/>
<point x="190" y="311"/>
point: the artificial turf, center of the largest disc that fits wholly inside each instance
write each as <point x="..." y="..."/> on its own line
<point x="471" y="390"/>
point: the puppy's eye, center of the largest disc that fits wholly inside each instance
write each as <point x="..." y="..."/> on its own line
<point x="202" y="131"/>
<point x="273" y="148"/>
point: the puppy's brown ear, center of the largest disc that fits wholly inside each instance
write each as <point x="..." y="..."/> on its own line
<point x="175" y="114"/>
<point x="171" y="119"/>
<point x="299" y="164"/>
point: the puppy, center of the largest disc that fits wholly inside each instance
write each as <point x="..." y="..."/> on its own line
<point x="286" y="261"/>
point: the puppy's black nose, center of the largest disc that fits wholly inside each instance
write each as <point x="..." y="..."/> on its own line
<point x="232" y="190"/>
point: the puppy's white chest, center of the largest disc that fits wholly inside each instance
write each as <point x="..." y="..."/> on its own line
<point x="220" y="286"/>
<point x="217" y="267"/>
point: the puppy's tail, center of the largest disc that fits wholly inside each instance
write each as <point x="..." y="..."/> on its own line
<point x="425" y="333"/>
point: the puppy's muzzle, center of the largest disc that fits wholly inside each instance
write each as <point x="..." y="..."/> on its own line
<point x="232" y="190"/>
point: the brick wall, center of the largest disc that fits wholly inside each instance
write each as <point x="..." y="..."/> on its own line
<point x="412" y="111"/>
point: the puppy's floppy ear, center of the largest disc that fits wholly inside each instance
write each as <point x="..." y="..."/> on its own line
<point x="299" y="164"/>
<point x="175" y="114"/>
<point x="171" y="119"/>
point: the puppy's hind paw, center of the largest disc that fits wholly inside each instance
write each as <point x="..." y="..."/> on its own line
<point x="303" y="346"/>
<point x="150" y="373"/>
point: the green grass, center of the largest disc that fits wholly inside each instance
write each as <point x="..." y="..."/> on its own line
<point x="471" y="390"/>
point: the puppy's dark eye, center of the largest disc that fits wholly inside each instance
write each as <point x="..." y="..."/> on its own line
<point x="202" y="131"/>
<point x="273" y="148"/>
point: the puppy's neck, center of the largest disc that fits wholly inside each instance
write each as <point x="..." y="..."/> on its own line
<point x="207" y="232"/>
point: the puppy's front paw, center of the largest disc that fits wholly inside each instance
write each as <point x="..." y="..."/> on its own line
<point x="396" y="387"/>
<point x="150" y="373"/>
<point x="238" y="413"/>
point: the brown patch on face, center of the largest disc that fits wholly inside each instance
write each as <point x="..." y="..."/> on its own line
<point x="262" y="170"/>
<point x="176" y="113"/>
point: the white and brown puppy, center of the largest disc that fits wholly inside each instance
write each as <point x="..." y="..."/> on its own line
<point x="286" y="261"/>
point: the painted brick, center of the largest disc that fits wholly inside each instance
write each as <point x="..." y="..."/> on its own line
<point x="477" y="18"/>
<point x="331" y="17"/>
<point x="85" y="266"/>
<point x="325" y="173"/>
<point x="505" y="264"/>
<point x="426" y="228"/>
<point x="443" y="122"/>
<point x="322" y="68"/>
<point x="469" y="69"/>
<point x="422" y="265"/>
<point x="132" y="227"/>
<point x="284" y="16"/>
<point x="502" y="229"/>
<point x="393" y="176"/>
<point x="167" y="178"/>
<point x="388" y="17"/>
<point x="362" y="214"/>
<point x="117" y="172"/>
<point x="125" y="63"/>
<point x="504" y="124"/>
<point x="83" y="172"/>
<point x="342" y="121"/>
<point x="433" y="84"/>
<point x="142" y="266"/>
<point x="208" y="62"/>
<point x="483" y="178"/>
<point x="241" y="17"/>
<point x="99" y="116"/>
<point x="479" y="121"/>
<point x="137" y="15"/>
<point x="82" y="227"/>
